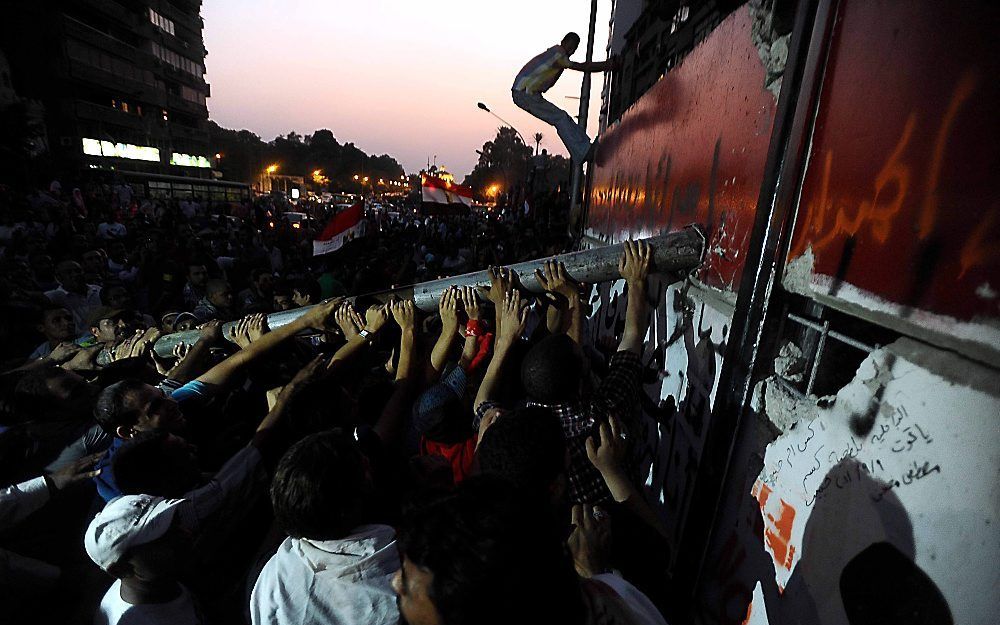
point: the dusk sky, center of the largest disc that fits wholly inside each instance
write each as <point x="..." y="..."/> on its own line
<point x="393" y="76"/>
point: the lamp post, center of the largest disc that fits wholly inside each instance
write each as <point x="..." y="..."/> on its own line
<point x="506" y="123"/>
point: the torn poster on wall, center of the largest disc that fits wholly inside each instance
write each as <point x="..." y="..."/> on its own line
<point x="900" y="455"/>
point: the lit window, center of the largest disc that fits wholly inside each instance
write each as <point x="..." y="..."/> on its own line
<point x="161" y="22"/>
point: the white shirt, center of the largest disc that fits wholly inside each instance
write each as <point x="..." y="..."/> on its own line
<point x="116" y="611"/>
<point x="330" y="582"/>
<point x="111" y="230"/>
<point x="642" y="608"/>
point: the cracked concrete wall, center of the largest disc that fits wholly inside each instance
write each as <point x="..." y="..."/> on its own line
<point x="897" y="470"/>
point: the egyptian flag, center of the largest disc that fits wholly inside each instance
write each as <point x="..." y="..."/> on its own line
<point x="343" y="228"/>
<point x="441" y="196"/>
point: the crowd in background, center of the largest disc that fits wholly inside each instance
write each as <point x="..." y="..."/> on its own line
<point x="365" y="463"/>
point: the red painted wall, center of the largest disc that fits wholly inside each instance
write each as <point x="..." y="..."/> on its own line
<point x="691" y="150"/>
<point x="900" y="198"/>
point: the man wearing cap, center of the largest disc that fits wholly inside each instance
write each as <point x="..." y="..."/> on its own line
<point x="109" y="325"/>
<point x="143" y="541"/>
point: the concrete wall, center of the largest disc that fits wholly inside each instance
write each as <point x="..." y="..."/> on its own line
<point x="878" y="502"/>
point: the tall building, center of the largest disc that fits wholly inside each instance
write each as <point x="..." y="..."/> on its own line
<point x="121" y="82"/>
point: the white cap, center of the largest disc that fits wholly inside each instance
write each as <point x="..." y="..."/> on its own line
<point x="126" y="522"/>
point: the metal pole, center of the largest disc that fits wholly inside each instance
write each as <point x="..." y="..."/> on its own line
<point x="584" y="111"/>
<point x="673" y="252"/>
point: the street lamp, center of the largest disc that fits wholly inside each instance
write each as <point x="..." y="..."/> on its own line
<point x="506" y="123"/>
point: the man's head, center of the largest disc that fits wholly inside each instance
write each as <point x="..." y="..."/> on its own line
<point x="321" y="487"/>
<point x="481" y="556"/>
<point x="108" y="325"/>
<point x="306" y="292"/>
<point x="219" y="293"/>
<point x="551" y="371"/>
<point x="282" y="299"/>
<point x="178" y="322"/>
<point x="130" y="406"/>
<point x="156" y="463"/>
<point x="116" y="295"/>
<point x="70" y="275"/>
<point x="262" y="281"/>
<point x="139" y="536"/>
<point x="42" y="266"/>
<point x="94" y="262"/>
<point x="197" y="274"/>
<point x="527" y="449"/>
<point x="570" y="43"/>
<point x="57" y="324"/>
<point x="54" y="393"/>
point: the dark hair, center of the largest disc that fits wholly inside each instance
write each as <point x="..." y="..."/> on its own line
<point x="111" y="411"/>
<point x="484" y="547"/>
<point x="281" y="287"/>
<point x="320" y="486"/>
<point x="526" y="448"/>
<point x="138" y="464"/>
<point x="309" y="287"/>
<point x="571" y="35"/>
<point x="551" y="371"/>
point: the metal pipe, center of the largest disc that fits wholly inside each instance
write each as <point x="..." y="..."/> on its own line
<point x="673" y="252"/>
<point x="584" y="109"/>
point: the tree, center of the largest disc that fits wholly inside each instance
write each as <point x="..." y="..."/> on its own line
<point x="538" y="141"/>
<point x="503" y="161"/>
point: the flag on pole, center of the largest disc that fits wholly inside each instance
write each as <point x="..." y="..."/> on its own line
<point x="434" y="190"/>
<point x="343" y="228"/>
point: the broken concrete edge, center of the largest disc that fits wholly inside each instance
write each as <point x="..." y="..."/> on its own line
<point x="971" y="339"/>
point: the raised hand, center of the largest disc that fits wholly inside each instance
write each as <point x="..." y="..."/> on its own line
<point x="607" y="454"/>
<point x="448" y="309"/>
<point x="123" y="349"/>
<point x="349" y="321"/>
<point x="321" y="316"/>
<point x="240" y="333"/>
<point x="553" y="278"/>
<point x="590" y="542"/>
<point x="376" y="317"/>
<point x="257" y="326"/>
<point x="469" y="302"/>
<point x="63" y="352"/>
<point x="502" y="279"/>
<point x="84" y="360"/>
<point x="404" y="313"/>
<point x="210" y="331"/>
<point x="512" y="318"/>
<point x="635" y="261"/>
<point x="76" y="471"/>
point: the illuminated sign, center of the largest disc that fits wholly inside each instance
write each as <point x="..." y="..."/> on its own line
<point x="189" y="160"/>
<point x="93" y="147"/>
<point x="295" y="195"/>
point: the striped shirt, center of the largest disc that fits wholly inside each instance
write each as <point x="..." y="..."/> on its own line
<point x="541" y="72"/>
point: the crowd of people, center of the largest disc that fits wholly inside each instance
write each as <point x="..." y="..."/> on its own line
<point x="368" y="462"/>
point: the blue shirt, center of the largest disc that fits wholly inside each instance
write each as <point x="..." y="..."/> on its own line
<point x="107" y="486"/>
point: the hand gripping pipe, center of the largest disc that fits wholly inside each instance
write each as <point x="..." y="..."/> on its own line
<point x="678" y="251"/>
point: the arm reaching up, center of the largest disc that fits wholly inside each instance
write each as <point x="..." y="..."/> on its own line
<point x="389" y="423"/>
<point x="512" y="317"/>
<point x="608" y="456"/>
<point x="553" y="278"/>
<point x="319" y="318"/>
<point x="448" y="308"/>
<point x="634" y="268"/>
